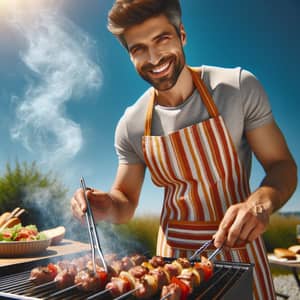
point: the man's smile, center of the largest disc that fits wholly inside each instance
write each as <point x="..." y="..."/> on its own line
<point x="161" y="70"/>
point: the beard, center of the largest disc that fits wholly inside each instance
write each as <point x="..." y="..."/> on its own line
<point x="166" y="82"/>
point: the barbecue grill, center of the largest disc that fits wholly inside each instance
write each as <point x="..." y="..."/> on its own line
<point x="230" y="281"/>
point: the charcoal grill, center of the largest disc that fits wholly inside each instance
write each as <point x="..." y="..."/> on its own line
<point x="229" y="282"/>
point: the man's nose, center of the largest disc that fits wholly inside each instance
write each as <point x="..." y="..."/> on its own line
<point x="154" y="56"/>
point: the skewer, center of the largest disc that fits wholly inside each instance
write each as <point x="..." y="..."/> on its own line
<point x="127" y="293"/>
<point x="12" y="215"/>
<point x="20" y="297"/>
<point x="65" y="290"/>
<point x="98" y="294"/>
<point x="18" y="214"/>
<point x="93" y="235"/>
<point x="166" y="296"/>
<point x="41" y="285"/>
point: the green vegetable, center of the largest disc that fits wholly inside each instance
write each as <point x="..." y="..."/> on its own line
<point x="21" y="233"/>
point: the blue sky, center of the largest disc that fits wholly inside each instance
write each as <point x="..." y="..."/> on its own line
<point x="65" y="80"/>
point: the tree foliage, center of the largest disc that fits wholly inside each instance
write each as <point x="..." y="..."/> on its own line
<point x="41" y="195"/>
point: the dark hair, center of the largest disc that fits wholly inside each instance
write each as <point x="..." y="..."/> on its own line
<point x="126" y="13"/>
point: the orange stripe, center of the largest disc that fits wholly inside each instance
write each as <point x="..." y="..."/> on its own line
<point x="172" y="172"/>
<point x="169" y="204"/>
<point x="160" y="146"/>
<point x="155" y="173"/>
<point x="147" y="130"/>
<point x="196" y="201"/>
<point x="207" y="170"/>
<point x="214" y="147"/>
<point x="193" y="224"/>
<point x="183" y="246"/>
<point x="190" y="236"/>
<point x="182" y="163"/>
<point x="228" y="160"/>
<point x="237" y="169"/>
<point x="205" y="95"/>
<point x="214" y="187"/>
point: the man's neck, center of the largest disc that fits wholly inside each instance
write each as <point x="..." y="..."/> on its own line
<point x="175" y="96"/>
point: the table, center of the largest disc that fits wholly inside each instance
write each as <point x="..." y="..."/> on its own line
<point x="63" y="248"/>
<point x="292" y="265"/>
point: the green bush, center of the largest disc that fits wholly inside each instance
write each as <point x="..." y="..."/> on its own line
<point x="281" y="232"/>
<point x="41" y="195"/>
<point x="139" y="234"/>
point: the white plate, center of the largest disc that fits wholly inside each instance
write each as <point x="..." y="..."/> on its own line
<point x="273" y="257"/>
<point x="23" y="248"/>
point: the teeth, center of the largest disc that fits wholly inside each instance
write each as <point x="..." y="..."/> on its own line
<point x="161" y="68"/>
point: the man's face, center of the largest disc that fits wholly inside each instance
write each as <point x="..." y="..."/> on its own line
<point x="156" y="51"/>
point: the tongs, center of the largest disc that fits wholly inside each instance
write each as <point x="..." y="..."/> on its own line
<point x="203" y="248"/>
<point x="93" y="235"/>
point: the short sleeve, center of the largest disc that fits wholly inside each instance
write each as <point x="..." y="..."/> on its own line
<point x="123" y="146"/>
<point x="256" y="106"/>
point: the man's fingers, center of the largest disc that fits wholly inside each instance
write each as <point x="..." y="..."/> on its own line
<point x="221" y="235"/>
<point x="78" y="204"/>
<point x="257" y="231"/>
<point x="246" y="230"/>
<point x="239" y="229"/>
<point x="76" y="210"/>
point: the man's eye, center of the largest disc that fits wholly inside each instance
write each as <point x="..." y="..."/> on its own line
<point x="163" y="38"/>
<point x="135" y="50"/>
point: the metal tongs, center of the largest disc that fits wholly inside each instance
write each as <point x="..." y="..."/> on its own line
<point x="203" y="248"/>
<point x="93" y="235"/>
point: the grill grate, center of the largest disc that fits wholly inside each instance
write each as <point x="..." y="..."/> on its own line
<point x="229" y="282"/>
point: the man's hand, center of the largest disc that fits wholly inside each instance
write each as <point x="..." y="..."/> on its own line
<point x="100" y="203"/>
<point x="246" y="221"/>
<point x="242" y="223"/>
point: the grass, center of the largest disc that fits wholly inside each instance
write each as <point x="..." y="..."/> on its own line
<point x="142" y="228"/>
<point x="281" y="233"/>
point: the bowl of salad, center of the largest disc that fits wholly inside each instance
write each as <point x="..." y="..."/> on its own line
<point x="19" y="241"/>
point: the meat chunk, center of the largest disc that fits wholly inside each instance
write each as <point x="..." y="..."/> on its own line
<point x="173" y="290"/>
<point x="43" y="274"/>
<point x="118" y="286"/>
<point x="87" y="280"/>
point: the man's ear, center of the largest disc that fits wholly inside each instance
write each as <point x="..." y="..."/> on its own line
<point x="182" y="34"/>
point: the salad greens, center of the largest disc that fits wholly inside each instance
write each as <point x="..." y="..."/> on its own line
<point x="21" y="233"/>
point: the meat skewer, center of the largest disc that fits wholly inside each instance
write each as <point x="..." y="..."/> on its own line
<point x="79" y="271"/>
<point x="178" y="277"/>
<point x="184" y="284"/>
<point x="147" y="285"/>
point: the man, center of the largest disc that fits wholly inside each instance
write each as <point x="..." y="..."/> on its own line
<point x="195" y="130"/>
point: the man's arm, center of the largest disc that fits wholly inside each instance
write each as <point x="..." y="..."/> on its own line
<point x="271" y="150"/>
<point x="125" y="191"/>
<point x="246" y="221"/>
<point x="118" y="205"/>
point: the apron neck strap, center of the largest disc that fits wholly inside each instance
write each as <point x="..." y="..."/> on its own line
<point x="202" y="90"/>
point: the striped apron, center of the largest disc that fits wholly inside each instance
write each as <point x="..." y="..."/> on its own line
<point x="202" y="176"/>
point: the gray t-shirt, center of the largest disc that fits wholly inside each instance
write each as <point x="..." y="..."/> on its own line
<point x="238" y="95"/>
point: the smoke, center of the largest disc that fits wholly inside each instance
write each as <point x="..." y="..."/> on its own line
<point x="58" y="56"/>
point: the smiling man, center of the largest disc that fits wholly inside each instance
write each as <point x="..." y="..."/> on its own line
<point x="195" y="130"/>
